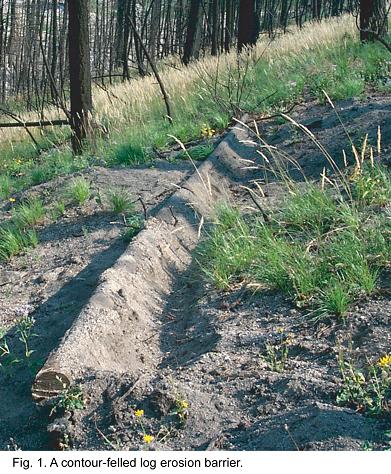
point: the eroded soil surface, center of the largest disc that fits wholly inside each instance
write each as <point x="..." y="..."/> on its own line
<point x="210" y="386"/>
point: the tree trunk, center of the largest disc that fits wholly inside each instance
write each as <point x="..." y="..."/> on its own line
<point x="215" y="27"/>
<point x="119" y="32"/>
<point x="229" y="26"/>
<point x="192" y="27"/>
<point x="79" y="72"/>
<point x="53" y="67"/>
<point x="248" y="28"/>
<point x="154" y="36"/>
<point x="373" y="19"/>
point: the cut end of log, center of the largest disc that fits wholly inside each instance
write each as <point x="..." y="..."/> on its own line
<point x="49" y="384"/>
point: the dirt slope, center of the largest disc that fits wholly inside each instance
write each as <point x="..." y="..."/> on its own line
<point x="204" y="348"/>
<point x="209" y="346"/>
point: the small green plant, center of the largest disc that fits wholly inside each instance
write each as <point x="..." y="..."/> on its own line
<point x="57" y="210"/>
<point x="229" y="248"/>
<point x="335" y="298"/>
<point x="7" y="359"/>
<point x="139" y="415"/>
<point x="40" y="174"/>
<point x="120" y="201"/>
<point x="134" y="224"/>
<point x="29" y="213"/>
<point x="180" y="410"/>
<point x="367" y="389"/>
<point x="24" y="329"/>
<point x="79" y="190"/>
<point x="70" y="400"/>
<point x="277" y="352"/>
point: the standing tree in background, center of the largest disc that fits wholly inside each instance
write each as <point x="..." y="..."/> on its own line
<point x="248" y="24"/>
<point x="79" y="72"/>
<point x="154" y="40"/>
<point x="192" y="28"/>
<point x="373" y="19"/>
<point x="215" y="27"/>
<point x="34" y="56"/>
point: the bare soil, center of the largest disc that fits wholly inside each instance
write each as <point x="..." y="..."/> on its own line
<point x="206" y="347"/>
<point x="55" y="280"/>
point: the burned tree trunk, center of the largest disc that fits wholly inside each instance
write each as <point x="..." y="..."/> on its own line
<point x="192" y="27"/>
<point x="373" y="19"/>
<point x="229" y="26"/>
<point x="79" y="72"/>
<point x="215" y="27"/>
<point x="248" y="27"/>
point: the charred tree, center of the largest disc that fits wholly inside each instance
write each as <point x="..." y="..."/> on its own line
<point x="373" y="19"/>
<point x="192" y="28"/>
<point x="248" y="27"/>
<point x="215" y="27"/>
<point x="79" y="72"/>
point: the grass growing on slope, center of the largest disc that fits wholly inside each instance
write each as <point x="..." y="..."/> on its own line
<point x="321" y="248"/>
<point x="18" y="234"/>
<point x="28" y="214"/>
<point x="79" y="190"/>
<point x="205" y="95"/>
<point x="120" y="200"/>
<point x="14" y="240"/>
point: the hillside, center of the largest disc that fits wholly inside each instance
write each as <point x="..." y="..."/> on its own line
<point x="220" y="283"/>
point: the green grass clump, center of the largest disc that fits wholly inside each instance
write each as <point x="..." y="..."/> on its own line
<point x="197" y="153"/>
<point x="335" y="298"/>
<point x="230" y="248"/>
<point x="120" y="201"/>
<point x="41" y="174"/>
<point x="128" y="154"/>
<point x="18" y="236"/>
<point x="372" y="186"/>
<point x="314" y="210"/>
<point x="29" y="213"/>
<point x="57" y="210"/>
<point x="14" y="241"/>
<point x="79" y="190"/>
<point x="6" y="187"/>
<point x="321" y="251"/>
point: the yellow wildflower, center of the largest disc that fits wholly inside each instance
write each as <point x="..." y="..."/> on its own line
<point x="139" y="413"/>
<point x="207" y="132"/>
<point x="12" y="199"/>
<point x="183" y="404"/>
<point x="385" y="361"/>
<point x="148" y="438"/>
